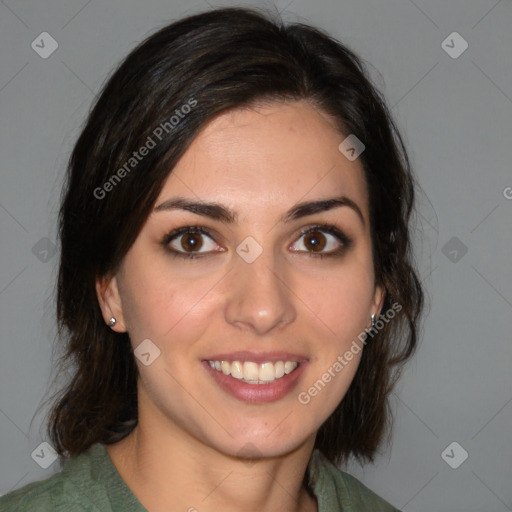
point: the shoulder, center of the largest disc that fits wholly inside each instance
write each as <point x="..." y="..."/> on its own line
<point x="337" y="490"/>
<point x="52" y="494"/>
<point x="363" y="498"/>
<point x="62" y="492"/>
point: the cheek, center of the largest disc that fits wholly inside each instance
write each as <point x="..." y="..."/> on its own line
<point x="158" y="304"/>
<point x="340" y="301"/>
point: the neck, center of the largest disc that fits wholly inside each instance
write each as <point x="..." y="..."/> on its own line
<point x="168" y="469"/>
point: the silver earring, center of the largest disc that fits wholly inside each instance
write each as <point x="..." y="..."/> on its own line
<point x="374" y="322"/>
<point x="112" y="322"/>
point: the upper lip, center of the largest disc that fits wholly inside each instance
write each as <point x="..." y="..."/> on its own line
<point x="257" y="357"/>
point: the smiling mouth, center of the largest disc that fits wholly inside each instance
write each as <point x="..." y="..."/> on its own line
<point x="255" y="373"/>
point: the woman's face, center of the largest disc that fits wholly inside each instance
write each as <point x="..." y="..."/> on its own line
<point x="258" y="254"/>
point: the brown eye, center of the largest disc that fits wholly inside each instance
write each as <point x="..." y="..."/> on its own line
<point x="191" y="242"/>
<point x="322" y="241"/>
<point x="315" y="241"/>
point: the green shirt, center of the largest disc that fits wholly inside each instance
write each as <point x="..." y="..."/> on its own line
<point x="90" y="482"/>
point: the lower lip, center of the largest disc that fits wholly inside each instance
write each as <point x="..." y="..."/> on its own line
<point x="257" y="393"/>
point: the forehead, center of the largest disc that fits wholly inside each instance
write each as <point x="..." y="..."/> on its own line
<point x="269" y="156"/>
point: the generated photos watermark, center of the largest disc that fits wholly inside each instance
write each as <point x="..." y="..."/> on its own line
<point x="334" y="369"/>
<point x="151" y="142"/>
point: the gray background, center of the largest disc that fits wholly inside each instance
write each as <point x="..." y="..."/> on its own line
<point x="456" y="115"/>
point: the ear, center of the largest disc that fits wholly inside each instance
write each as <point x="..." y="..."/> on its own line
<point x="110" y="302"/>
<point x="378" y="300"/>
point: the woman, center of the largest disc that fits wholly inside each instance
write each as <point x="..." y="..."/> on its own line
<point x="235" y="284"/>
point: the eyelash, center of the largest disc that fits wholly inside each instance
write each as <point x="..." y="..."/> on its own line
<point x="345" y="241"/>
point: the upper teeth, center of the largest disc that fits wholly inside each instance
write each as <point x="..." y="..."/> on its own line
<point x="255" y="373"/>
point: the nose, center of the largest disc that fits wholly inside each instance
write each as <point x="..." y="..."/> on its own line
<point x="259" y="299"/>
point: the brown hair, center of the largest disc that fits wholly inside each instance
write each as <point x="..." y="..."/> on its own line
<point x="221" y="59"/>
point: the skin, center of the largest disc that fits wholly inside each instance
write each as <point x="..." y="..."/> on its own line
<point x="259" y="163"/>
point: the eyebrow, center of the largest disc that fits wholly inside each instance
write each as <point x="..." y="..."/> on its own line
<point x="223" y="214"/>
